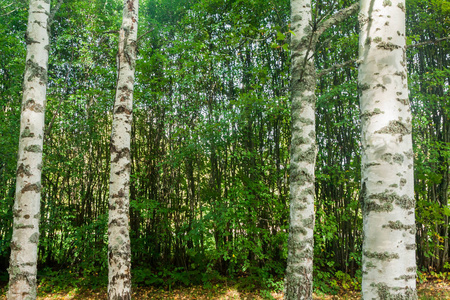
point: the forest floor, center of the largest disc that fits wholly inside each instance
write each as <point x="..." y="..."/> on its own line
<point x="431" y="289"/>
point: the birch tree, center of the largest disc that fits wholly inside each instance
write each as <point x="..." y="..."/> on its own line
<point x="26" y="210"/>
<point x="299" y="272"/>
<point x="303" y="156"/>
<point x="119" y="251"/>
<point x="387" y="187"/>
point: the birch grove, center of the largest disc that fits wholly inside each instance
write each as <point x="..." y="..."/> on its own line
<point x="297" y="143"/>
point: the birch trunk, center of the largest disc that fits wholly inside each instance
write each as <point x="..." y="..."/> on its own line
<point x="298" y="282"/>
<point x="387" y="186"/>
<point x="26" y="210"/>
<point x="119" y="251"/>
<point x="299" y="278"/>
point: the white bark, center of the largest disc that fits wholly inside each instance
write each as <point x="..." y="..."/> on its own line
<point x="26" y="210"/>
<point x="389" y="267"/>
<point x="299" y="272"/>
<point x="298" y="283"/>
<point x="119" y="277"/>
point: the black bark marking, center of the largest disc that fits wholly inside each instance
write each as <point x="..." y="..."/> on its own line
<point x="32" y="105"/>
<point x="27" y="133"/>
<point x="35" y="70"/>
<point x="395" y="127"/>
<point x="23" y="226"/>
<point x="125" y="152"/>
<point x="35" y="187"/>
<point x="300" y="176"/>
<point x="34" y="238"/>
<point x="122" y="109"/>
<point x="385" y="256"/>
<point x="33" y="148"/>
<point x="388" y="46"/>
<point x="23" y="170"/>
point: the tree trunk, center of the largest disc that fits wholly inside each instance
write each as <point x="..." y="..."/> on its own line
<point x="26" y="210"/>
<point x="119" y="252"/>
<point x="387" y="193"/>
<point x="299" y="277"/>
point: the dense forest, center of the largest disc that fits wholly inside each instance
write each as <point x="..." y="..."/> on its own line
<point x="211" y="139"/>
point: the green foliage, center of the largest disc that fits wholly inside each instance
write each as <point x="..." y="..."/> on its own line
<point x="322" y="284"/>
<point x="211" y="136"/>
<point x="56" y="281"/>
<point x="428" y="86"/>
<point x="12" y="54"/>
<point x="166" y="277"/>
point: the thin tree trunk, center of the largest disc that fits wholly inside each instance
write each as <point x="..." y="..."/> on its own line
<point x="26" y="210"/>
<point x="389" y="262"/>
<point x="119" y="277"/>
<point x="299" y="278"/>
<point x="298" y="282"/>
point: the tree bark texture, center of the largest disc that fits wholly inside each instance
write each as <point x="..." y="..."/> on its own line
<point x="299" y="278"/>
<point x="387" y="186"/>
<point x="119" y="251"/>
<point x="26" y="210"/>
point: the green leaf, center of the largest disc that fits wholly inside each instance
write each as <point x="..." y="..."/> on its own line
<point x="274" y="45"/>
<point x="280" y="36"/>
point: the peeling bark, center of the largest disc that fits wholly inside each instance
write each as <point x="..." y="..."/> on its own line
<point x="119" y="251"/>
<point x="23" y="261"/>
<point x="389" y="266"/>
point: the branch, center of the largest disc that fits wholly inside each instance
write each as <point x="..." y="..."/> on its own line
<point x="65" y="93"/>
<point x="8" y="13"/>
<point x="325" y="16"/>
<point x="103" y="37"/>
<point x="110" y="31"/>
<point x="428" y="42"/>
<point x="50" y="125"/>
<point x="54" y="11"/>
<point x="337" y="18"/>
<point x="7" y="5"/>
<point x="334" y="67"/>
<point x="144" y="34"/>
<point x="337" y="66"/>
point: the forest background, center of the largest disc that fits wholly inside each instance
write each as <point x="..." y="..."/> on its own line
<point x="210" y="140"/>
